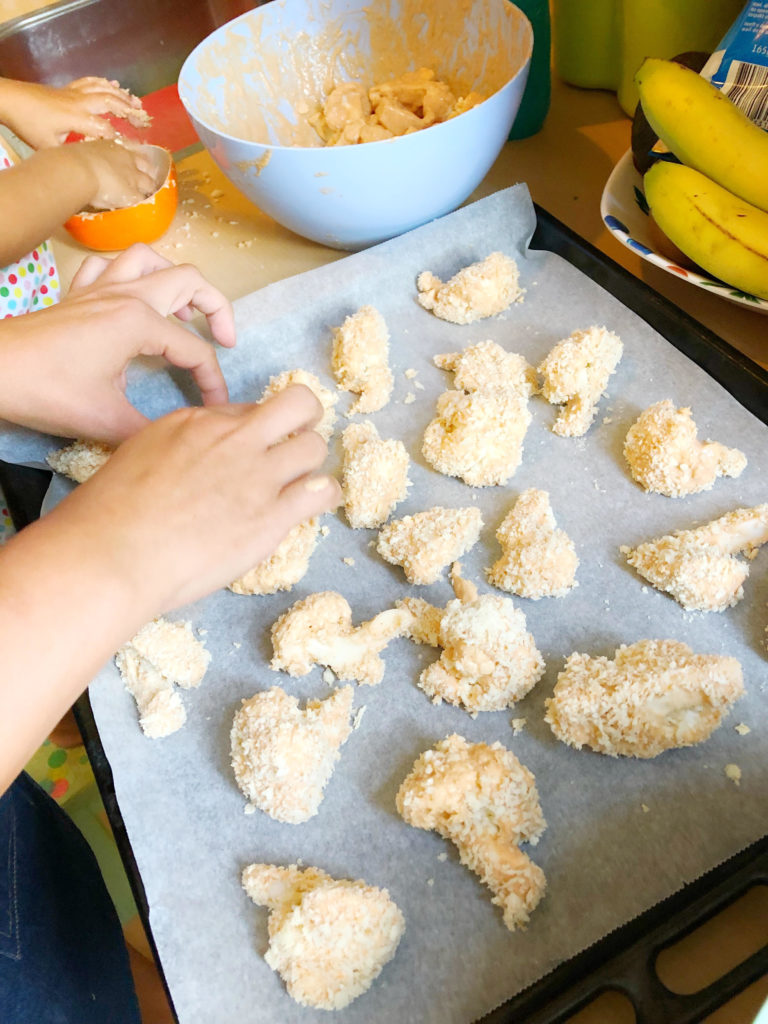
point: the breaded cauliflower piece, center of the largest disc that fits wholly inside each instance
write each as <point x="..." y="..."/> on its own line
<point x="328" y="940"/>
<point x="698" y="567"/>
<point x="576" y="373"/>
<point x="375" y="476"/>
<point x="489" y="661"/>
<point x="160" y="654"/>
<point x="480" y="290"/>
<point x="483" y="800"/>
<point x="361" y="359"/>
<point x="538" y="559"/>
<point x="80" y="459"/>
<point x="424" y="543"/>
<point x="287" y="564"/>
<point x="282" y="756"/>
<point x="327" y="398"/>
<point x="478" y="436"/>
<point x="664" y="455"/>
<point x="318" y="631"/>
<point x="654" y="695"/>
<point x="487" y="364"/>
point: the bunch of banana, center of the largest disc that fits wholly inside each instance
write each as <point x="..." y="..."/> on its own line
<point x="714" y="205"/>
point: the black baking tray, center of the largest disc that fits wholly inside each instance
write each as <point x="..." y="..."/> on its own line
<point x="624" y="960"/>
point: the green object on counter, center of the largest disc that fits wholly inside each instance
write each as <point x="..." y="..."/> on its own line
<point x="600" y="44"/>
<point x="535" y="102"/>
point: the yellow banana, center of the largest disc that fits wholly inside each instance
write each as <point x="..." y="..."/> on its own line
<point x="704" y="129"/>
<point x="725" y="235"/>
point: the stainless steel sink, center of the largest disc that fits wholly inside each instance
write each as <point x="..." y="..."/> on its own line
<point x="141" y="43"/>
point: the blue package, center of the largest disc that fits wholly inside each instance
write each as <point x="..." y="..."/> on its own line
<point x="739" y="66"/>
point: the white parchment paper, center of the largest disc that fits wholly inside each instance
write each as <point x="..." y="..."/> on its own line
<point x="622" y="834"/>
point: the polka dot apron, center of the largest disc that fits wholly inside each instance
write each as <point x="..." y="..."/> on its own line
<point x="33" y="282"/>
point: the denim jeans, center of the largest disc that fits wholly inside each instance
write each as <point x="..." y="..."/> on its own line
<point x="62" y="955"/>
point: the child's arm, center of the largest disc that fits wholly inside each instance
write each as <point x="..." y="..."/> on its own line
<point x="43" y="116"/>
<point x="62" y="371"/>
<point x="184" y="507"/>
<point x="40" y="193"/>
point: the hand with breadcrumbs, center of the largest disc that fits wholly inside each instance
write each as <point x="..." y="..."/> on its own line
<point x="62" y="371"/>
<point x="44" y="115"/>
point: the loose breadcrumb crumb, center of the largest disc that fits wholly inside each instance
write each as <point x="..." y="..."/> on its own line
<point x="733" y="772"/>
<point x="283" y="756"/>
<point x="654" y="695"/>
<point x="328" y="940"/>
<point x="665" y="456"/>
<point x="742" y="729"/>
<point x="477" y="291"/>
<point x="485" y="801"/>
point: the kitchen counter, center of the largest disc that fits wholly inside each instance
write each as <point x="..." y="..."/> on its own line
<point x="565" y="166"/>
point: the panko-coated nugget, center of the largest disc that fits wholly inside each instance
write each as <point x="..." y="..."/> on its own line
<point x="360" y="359"/>
<point x="325" y="397"/>
<point x="287" y="564"/>
<point x="375" y="475"/>
<point x="487" y="364"/>
<point x="160" y="655"/>
<point x="575" y="375"/>
<point x="654" y="695"/>
<point x="80" y="459"/>
<point x="485" y="801"/>
<point x="478" y="436"/>
<point x="477" y="291"/>
<point x="538" y="559"/>
<point x="424" y="543"/>
<point x="328" y="940"/>
<point x="283" y="756"/>
<point x="664" y="455"/>
<point x="698" y="567"/>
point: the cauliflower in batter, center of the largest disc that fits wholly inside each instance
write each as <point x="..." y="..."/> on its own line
<point x="698" y="567"/>
<point x="408" y="103"/>
<point x="487" y="364"/>
<point x="478" y="291"/>
<point x="576" y="374"/>
<point x="664" y="455"/>
<point x="318" y="631"/>
<point x="286" y="565"/>
<point x="327" y="398"/>
<point x="478" y="436"/>
<point x="489" y="661"/>
<point x="654" y="695"/>
<point x="375" y="476"/>
<point x="361" y="359"/>
<point x="483" y="800"/>
<point x="538" y="559"/>
<point x="282" y="756"/>
<point x="80" y="459"/>
<point x="328" y="939"/>
<point x="424" y="543"/>
<point x="160" y="654"/>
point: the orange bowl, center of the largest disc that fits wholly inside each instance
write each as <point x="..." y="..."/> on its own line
<point x="145" y="221"/>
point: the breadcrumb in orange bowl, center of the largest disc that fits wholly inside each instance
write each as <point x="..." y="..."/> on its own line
<point x="145" y="221"/>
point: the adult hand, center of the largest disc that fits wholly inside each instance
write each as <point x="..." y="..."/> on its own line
<point x="62" y="369"/>
<point x="43" y="115"/>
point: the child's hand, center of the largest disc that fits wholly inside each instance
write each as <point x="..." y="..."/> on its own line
<point x="62" y="369"/>
<point x="122" y="174"/>
<point x="199" y="497"/>
<point x="43" y="116"/>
